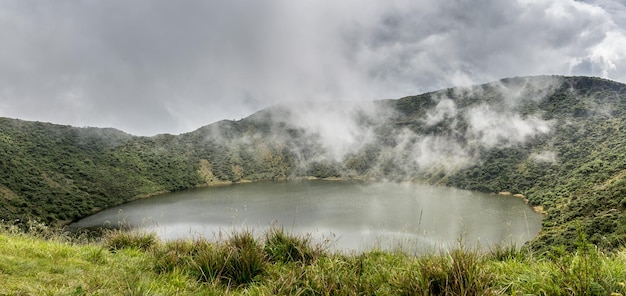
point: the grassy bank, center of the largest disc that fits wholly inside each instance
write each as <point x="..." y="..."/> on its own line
<point x="275" y="263"/>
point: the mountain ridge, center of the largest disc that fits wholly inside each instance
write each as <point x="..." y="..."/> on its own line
<point x="557" y="140"/>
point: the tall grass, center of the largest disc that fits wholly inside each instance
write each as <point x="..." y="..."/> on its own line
<point x="119" y="239"/>
<point x="237" y="261"/>
<point x="282" y="247"/>
<point x="278" y="263"/>
<point x="456" y="272"/>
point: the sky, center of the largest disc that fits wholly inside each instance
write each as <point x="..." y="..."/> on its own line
<point x="160" y="66"/>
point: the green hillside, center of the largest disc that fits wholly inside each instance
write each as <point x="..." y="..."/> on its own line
<point x="559" y="141"/>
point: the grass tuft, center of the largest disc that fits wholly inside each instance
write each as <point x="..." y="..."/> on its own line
<point x="95" y="254"/>
<point x="118" y="239"/>
<point x="174" y="255"/>
<point x="503" y="252"/>
<point x="458" y="272"/>
<point x="282" y="247"/>
<point x="236" y="262"/>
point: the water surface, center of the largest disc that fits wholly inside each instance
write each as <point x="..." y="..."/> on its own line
<point x="350" y="215"/>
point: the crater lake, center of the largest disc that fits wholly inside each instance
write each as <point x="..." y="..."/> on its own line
<point x="345" y="215"/>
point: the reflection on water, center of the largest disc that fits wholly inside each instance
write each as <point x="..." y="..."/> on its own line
<point x="352" y="215"/>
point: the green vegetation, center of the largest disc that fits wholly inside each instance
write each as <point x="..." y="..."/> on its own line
<point x="585" y="186"/>
<point x="574" y="169"/>
<point x="58" y="173"/>
<point x="48" y="262"/>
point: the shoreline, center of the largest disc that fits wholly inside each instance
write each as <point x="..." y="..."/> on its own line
<point x="537" y="209"/>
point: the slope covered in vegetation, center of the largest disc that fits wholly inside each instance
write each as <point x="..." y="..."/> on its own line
<point x="559" y="141"/>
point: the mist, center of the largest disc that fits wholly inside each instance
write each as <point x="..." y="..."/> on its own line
<point x="378" y="140"/>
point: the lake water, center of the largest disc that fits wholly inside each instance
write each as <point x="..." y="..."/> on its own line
<point x="348" y="215"/>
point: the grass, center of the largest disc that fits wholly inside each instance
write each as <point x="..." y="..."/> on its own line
<point x="43" y="262"/>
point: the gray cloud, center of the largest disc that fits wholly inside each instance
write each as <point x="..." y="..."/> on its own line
<point x="160" y="66"/>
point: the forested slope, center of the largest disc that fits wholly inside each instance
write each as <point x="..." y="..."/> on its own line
<point x="559" y="141"/>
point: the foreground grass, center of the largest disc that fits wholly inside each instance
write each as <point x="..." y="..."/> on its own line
<point x="281" y="264"/>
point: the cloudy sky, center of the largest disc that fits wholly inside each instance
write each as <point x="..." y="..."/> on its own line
<point x="161" y="66"/>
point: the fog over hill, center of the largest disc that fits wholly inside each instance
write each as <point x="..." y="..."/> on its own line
<point x="559" y="141"/>
<point x="444" y="130"/>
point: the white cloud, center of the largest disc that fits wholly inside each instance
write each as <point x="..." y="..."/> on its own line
<point x="445" y="108"/>
<point x="501" y="127"/>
